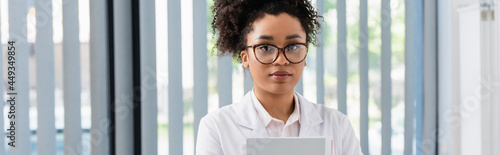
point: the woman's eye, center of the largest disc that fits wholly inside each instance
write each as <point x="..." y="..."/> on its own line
<point x="264" y="48"/>
<point x="292" y="47"/>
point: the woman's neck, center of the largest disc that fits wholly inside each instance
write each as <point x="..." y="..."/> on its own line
<point x="279" y="106"/>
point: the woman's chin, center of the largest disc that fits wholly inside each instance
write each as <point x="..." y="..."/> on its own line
<point x="279" y="89"/>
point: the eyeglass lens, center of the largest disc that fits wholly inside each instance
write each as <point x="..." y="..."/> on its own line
<point x="268" y="53"/>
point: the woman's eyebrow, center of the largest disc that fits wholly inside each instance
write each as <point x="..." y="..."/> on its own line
<point x="266" y="37"/>
<point x="293" y="36"/>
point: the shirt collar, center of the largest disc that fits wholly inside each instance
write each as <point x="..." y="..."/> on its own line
<point x="266" y="118"/>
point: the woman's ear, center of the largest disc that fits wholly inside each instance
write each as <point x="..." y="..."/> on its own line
<point x="244" y="58"/>
<point x="305" y="63"/>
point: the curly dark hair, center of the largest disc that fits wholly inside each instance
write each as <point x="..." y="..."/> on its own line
<point x="233" y="20"/>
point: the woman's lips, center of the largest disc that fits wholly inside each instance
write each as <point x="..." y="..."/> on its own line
<point x="280" y="75"/>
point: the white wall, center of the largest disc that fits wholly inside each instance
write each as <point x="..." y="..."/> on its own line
<point x="468" y="96"/>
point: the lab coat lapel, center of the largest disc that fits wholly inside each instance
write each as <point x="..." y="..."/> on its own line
<point x="247" y="117"/>
<point x="259" y="131"/>
<point x="310" y="118"/>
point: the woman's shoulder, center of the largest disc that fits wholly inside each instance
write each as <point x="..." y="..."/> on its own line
<point x="326" y="113"/>
<point x="333" y="120"/>
<point x="236" y="112"/>
<point x="329" y="112"/>
<point x="319" y="107"/>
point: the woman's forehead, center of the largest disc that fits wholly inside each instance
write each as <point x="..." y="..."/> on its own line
<point x="273" y="27"/>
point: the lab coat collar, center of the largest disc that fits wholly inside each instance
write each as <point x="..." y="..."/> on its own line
<point x="248" y="118"/>
<point x="310" y="118"/>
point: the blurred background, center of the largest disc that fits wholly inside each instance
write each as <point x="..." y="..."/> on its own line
<point x="136" y="76"/>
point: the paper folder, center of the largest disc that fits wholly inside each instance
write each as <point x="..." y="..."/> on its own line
<point x="290" y="146"/>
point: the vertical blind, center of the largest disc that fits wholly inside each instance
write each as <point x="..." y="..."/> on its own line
<point x="149" y="108"/>
<point x="45" y="79"/>
<point x="17" y="18"/>
<point x="72" y="79"/>
<point x="175" y="91"/>
<point x="123" y="77"/>
<point x="100" y="85"/>
<point x="112" y="74"/>
<point x="363" y="73"/>
<point x="2" y="143"/>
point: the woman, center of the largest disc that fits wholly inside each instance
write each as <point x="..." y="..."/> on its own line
<point x="271" y="38"/>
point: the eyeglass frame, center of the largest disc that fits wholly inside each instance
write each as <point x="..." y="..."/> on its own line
<point x="279" y="49"/>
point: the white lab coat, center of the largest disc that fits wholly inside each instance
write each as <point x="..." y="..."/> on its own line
<point x="224" y="132"/>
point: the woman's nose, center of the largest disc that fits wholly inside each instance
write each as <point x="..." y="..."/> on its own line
<point x="281" y="59"/>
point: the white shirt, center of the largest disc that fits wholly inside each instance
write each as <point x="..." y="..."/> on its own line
<point x="276" y="127"/>
<point x="225" y="131"/>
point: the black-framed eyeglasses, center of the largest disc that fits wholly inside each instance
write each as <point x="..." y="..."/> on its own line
<point x="268" y="53"/>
